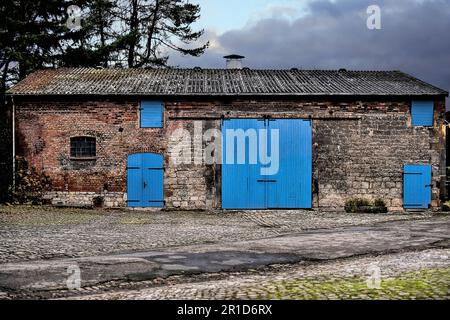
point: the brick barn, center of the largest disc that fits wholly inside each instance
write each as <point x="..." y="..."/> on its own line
<point x="108" y="135"/>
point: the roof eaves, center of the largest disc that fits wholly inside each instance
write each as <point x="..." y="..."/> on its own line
<point x="444" y="92"/>
<point x="218" y="94"/>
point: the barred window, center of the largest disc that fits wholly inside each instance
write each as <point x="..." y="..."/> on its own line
<point x="82" y="147"/>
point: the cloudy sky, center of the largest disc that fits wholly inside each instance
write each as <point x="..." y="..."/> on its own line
<point x="328" y="34"/>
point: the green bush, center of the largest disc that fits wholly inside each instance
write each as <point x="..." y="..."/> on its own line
<point x="379" y="203"/>
<point x="358" y="205"/>
<point x="446" y="206"/>
<point x="352" y="205"/>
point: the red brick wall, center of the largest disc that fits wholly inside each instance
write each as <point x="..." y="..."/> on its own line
<point x="45" y="128"/>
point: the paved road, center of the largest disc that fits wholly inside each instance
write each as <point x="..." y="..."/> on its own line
<point x="314" y="245"/>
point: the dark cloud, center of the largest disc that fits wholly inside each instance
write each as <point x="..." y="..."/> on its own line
<point x="414" y="38"/>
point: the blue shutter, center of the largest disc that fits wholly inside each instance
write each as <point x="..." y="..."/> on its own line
<point x="422" y="113"/>
<point x="151" y="114"/>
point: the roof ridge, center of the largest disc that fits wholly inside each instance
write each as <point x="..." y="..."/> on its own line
<point x="210" y="69"/>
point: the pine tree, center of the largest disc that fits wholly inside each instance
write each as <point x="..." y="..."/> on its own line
<point x="148" y="29"/>
<point x="31" y="36"/>
<point x="34" y="34"/>
<point x="92" y="43"/>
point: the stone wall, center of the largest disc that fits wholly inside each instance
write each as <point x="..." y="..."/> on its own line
<point x="87" y="199"/>
<point x="365" y="158"/>
<point x="359" y="147"/>
<point x="191" y="184"/>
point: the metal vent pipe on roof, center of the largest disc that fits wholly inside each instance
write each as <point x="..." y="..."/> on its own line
<point x="234" y="61"/>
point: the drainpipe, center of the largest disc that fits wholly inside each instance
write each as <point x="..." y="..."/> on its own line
<point x="13" y="143"/>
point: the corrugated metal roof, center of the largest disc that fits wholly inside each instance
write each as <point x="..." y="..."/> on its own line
<point x="207" y="82"/>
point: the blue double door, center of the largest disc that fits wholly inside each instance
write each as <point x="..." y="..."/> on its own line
<point x="417" y="186"/>
<point x="279" y="176"/>
<point x="145" y="180"/>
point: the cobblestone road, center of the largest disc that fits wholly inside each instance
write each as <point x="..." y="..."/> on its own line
<point x="36" y="233"/>
<point x="410" y="275"/>
<point x="32" y="233"/>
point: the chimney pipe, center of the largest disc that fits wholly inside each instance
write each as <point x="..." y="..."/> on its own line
<point x="234" y="61"/>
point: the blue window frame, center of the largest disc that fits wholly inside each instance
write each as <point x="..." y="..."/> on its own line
<point x="422" y="113"/>
<point x="152" y="114"/>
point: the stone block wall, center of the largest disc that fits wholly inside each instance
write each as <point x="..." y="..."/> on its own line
<point x="87" y="199"/>
<point x="359" y="146"/>
<point x="365" y="158"/>
<point x="191" y="183"/>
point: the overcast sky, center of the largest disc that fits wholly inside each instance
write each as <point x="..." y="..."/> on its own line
<point x="328" y="34"/>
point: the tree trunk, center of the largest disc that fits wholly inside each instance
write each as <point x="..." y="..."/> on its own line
<point x="152" y="29"/>
<point x="134" y="25"/>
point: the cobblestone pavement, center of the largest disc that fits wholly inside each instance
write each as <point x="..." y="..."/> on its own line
<point x="48" y="278"/>
<point x="408" y="275"/>
<point x="32" y="233"/>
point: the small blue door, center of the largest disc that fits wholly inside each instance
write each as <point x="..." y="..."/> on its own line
<point x="145" y="180"/>
<point x="250" y="180"/>
<point x="417" y="186"/>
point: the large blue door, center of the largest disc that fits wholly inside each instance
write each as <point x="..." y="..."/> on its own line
<point x="417" y="186"/>
<point x="259" y="184"/>
<point x="145" y="180"/>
